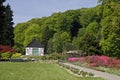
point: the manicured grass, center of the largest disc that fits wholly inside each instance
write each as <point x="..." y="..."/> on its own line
<point x="35" y="71"/>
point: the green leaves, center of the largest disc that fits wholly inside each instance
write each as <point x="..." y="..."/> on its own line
<point x="92" y="30"/>
<point x="34" y="31"/>
<point x="110" y="36"/>
<point x="111" y="28"/>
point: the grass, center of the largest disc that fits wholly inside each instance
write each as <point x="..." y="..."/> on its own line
<point x="35" y="71"/>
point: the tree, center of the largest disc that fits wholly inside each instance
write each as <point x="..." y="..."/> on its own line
<point x="33" y="31"/>
<point x="50" y="48"/>
<point x="60" y="39"/>
<point x="19" y="36"/>
<point x="46" y="35"/>
<point x="88" y="15"/>
<point x="9" y="32"/>
<point x="110" y="28"/>
<point x="93" y="30"/>
<point x="88" y="39"/>
<point x="2" y="21"/>
<point x="110" y="36"/>
<point x="6" y="23"/>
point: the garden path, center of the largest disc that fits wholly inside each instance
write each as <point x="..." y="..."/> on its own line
<point x="104" y="75"/>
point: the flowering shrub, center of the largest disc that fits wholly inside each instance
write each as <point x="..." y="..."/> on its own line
<point x="73" y="59"/>
<point x="95" y="61"/>
<point x="4" y="48"/>
<point x="93" y="64"/>
<point x="114" y="63"/>
<point x="99" y="60"/>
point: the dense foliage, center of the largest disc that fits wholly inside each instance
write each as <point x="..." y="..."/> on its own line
<point x="93" y="30"/>
<point x="6" y="24"/>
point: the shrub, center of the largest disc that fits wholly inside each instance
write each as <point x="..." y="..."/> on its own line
<point x="43" y="57"/>
<point x="114" y="63"/>
<point x="73" y="59"/>
<point x="16" y="55"/>
<point x="95" y="61"/>
<point x="93" y="65"/>
<point x="5" y="48"/>
<point x="99" y="60"/>
<point x="6" y="55"/>
<point x="53" y="56"/>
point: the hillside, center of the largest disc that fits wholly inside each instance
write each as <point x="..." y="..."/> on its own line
<point x="92" y="30"/>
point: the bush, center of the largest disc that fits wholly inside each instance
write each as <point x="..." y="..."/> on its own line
<point x="43" y="57"/>
<point x="96" y="61"/>
<point x="16" y="55"/>
<point x="5" y="48"/>
<point x="53" y="56"/>
<point x="6" y="55"/>
<point x="73" y="59"/>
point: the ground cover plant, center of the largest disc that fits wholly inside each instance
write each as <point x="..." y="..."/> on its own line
<point x="36" y="71"/>
<point x="101" y="63"/>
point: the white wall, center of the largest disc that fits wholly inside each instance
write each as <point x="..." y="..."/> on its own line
<point x="41" y="51"/>
<point x="29" y="51"/>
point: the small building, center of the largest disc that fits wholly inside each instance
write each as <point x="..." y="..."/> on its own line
<point x="34" y="48"/>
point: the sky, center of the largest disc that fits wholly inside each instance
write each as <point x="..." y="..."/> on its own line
<point x="24" y="10"/>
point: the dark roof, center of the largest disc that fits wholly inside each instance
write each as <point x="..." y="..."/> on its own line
<point x="34" y="43"/>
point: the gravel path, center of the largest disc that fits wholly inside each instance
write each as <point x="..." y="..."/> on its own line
<point x="104" y="75"/>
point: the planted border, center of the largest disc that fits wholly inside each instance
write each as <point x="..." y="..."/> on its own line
<point x="77" y="71"/>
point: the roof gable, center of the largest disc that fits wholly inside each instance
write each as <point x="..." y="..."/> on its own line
<point x="34" y="43"/>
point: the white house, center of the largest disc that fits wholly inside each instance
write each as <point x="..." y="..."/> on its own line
<point x="34" y="48"/>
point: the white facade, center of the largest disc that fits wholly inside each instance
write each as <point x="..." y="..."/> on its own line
<point x="34" y="51"/>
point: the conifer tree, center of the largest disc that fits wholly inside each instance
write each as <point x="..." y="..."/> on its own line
<point x="6" y="24"/>
<point x="2" y="20"/>
<point x="9" y="26"/>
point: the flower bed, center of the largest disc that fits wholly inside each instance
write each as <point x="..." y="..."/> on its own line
<point x="95" y="61"/>
<point x="100" y="63"/>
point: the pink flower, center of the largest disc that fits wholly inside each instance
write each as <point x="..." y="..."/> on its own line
<point x="93" y="65"/>
<point x="73" y="59"/>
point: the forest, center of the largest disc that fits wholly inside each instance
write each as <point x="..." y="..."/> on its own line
<point x="95" y="30"/>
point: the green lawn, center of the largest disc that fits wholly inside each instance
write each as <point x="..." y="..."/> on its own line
<point x="35" y="71"/>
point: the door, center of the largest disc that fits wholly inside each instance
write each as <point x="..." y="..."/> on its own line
<point x="35" y="51"/>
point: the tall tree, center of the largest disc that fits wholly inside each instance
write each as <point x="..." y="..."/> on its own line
<point x="46" y="35"/>
<point x="9" y="35"/>
<point x="2" y="20"/>
<point x="19" y="36"/>
<point x="6" y="24"/>
<point x="110" y="28"/>
<point x="33" y="31"/>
